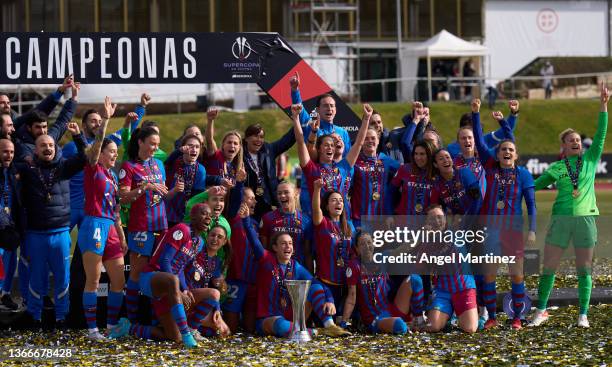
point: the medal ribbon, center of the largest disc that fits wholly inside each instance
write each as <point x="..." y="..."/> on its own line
<point x="47" y="183"/>
<point x="573" y="175"/>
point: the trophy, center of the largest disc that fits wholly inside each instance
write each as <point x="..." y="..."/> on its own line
<point x="298" y="291"/>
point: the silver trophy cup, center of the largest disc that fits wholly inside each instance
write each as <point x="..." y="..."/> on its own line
<point x="298" y="291"/>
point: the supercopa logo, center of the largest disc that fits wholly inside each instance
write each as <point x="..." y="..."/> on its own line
<point x="241" y="49"/>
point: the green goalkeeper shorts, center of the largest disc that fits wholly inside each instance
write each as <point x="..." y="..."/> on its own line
<point x="580" y="230"/>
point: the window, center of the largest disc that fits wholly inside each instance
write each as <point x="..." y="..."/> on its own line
<point x="139" y="17"/>
<point x="368" y="19"/>
<point x="44" y="16"/>
<point x="277" y="14"/>
<point x="254" y="15"/>
<point x="471" y="18"/>
<point x="197" y="15"/>
<point x="79" y="16"/>
<point x="388" y="19"/>
<point x="111" y="16"/>
<point x="445" y="16"/>
<point x="419" y="15"/>
<point x="226" y="16"/>
<point x="170" y="19"/>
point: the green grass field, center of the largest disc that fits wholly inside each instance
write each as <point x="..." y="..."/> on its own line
<point x="538" y="127"/>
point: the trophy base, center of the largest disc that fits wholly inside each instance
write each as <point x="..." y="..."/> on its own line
<point x="300" y="337"/>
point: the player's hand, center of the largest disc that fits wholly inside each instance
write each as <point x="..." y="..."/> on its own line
<point x="243" y="212"/>
<point x="220" y="284"/>
<point x="109" y="108"/>
<point x="513" y="104"/>
<point x="426" y="115"/>
<point x="314" y="125"/>
<point x="76" y="87"/>
<point x="187" y="298"/>
<point x="531" y="239"/>
<point x="475" y="105"/>
<point x="217" y="191"/>
<point x="227" y="183"/>
<point x="497" y="115"/>
<point x="329" y="308"/>
<point x="212" y="114"/>
<point x="124" y="247"/>
<point x="159" y="188"/>
<point x="179" y="186"/>
<point x="145" y="99"/>
<point x="318" y="184"/>
<point x="73" y="127"/>
<point x="67" y="83"/>
<point x="241" y="175"/>
<point x="605" y="94"/>
<point x="296" y="109"/>
<point x="367" y="111"/>
<point x="294" y="82"/>
<point x="417" y="109"/>
<point x="129" y="118"/>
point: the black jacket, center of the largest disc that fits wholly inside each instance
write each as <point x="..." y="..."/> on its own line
<point x="41" y="214"/>
<point x="267" y="162"/>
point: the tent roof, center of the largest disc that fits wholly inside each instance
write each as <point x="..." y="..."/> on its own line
<point x="445" y="44"/>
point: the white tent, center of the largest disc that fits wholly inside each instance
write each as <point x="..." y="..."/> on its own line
<point x="443" y="44"/>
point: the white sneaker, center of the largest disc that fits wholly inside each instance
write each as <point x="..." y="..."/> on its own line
<point x="96" y="336"/>
<point x="583" y="321"/>
<point x="419" y="323"/>
<point x="539" y="318"/>
<point x="196" y="335"/>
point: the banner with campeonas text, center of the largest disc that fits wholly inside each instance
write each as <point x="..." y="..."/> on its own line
<point x="136" y="58"/>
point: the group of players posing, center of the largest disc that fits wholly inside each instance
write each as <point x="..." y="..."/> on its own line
<point x="212" y="229"/>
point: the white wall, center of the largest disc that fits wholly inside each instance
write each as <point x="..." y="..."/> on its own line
<point x="516" y="32"/>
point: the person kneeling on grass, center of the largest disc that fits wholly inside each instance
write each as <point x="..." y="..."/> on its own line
<point x="274" y="310"/>
<point x="453" y="290"/>
<point x="370" y="286"/>
<point x="163" y="281"/>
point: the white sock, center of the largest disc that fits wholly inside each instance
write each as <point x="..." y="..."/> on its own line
<point x="329" y="322"/>
<point x="93" y="331"/>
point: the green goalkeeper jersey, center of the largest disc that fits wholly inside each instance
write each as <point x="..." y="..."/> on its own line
<point x="585" y="204"/>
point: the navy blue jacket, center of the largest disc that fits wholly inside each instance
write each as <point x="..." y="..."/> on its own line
<point x="390" y="144"/>
<point x="14" y="184"/>
<point x="267" y="164"/>
<point x="25" y="143"/>
<point x="40" y="214"/>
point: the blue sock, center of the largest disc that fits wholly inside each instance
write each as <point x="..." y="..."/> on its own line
<point x="479" y="279"/>
<point x="489" y="295"/>
<point x="316" y="297"/>
<point x="90" y="308"/>
<point x="282" y="327"/>
<point x="113" y="305"/>
<point x="131" y="299"/>
<point x="200" y="312"/>
<point x="417" y="299"/>
<point x="518" y="298"/>
<point x="399" y="327"/>
<point x="178" y="313"/>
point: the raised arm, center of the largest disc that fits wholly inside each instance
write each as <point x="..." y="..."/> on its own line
<point x="299" y="135"/>
<point x="236" y="194"/>
<point x="481" y="146"/>
<point x="283" y="144"/>
<point x="209" y="134"/>
<point x="317" y="213"/>
<point x="47" y="105"/>
<point x="296" y="98"/>
<point x="596" y="149"/>
<point x="74" y="165"/>
<point x="252" y="237"/>
<point x="352" y="155"/>
<point x="94" y="152"/>
<point x="59" y="126"/>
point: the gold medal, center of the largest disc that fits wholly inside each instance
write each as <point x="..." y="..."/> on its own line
<point x="501" y="205"/>
<point x="259" y="191"/>
<point x="283" y="302"/>
<point x="7" y="210"/>
<point x="196" y="276"/>
<point x="340" y="262"/>
<point x="49" y="197"/>
<point x="418" y="208"/>
<point x="375" y="196"/>
<point x="156" y="199"/>
<point x="576" y="193"/>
